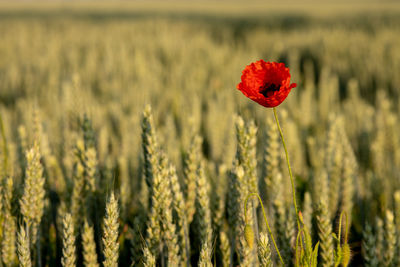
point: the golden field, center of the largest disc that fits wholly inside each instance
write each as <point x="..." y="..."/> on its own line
<point x="124" y="141"/>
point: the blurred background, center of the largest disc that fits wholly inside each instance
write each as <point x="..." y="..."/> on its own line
<point x="61" y="60"/>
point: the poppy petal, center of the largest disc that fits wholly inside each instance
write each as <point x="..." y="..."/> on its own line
<point x="267" y="83"/>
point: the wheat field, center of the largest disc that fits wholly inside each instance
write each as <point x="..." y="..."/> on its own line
<point x="124" y="141"/>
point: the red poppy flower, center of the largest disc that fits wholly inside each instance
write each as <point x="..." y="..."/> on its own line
<point x="267" y="83"/>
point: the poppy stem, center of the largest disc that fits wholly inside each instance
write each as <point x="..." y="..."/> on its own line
<point x="290" y="169"/>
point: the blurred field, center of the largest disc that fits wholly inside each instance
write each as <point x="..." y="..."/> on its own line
<point x="75" y="79"/>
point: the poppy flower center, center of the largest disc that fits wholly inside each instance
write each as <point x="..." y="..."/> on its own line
<point x="268" y="89"/>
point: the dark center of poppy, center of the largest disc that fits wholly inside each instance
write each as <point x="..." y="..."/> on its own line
<point x="268" y="89"/>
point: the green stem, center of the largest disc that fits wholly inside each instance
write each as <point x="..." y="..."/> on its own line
<point x="338" y="260"/>
<point x="298" y="241"/>
<point x="340" y="228"/>
<point x="4" y="140"/>
<point x="345" y="227"/>
<point x="290" y="169"/>
<point x="346" y="233"/>
<point x="266" y="222"/>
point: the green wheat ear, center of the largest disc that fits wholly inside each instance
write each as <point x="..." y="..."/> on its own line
<point x="110" y="233"/>
<point x="205" y="256"/>
<point x="179" y="209"/>
<point x="24" y="253"/>
<point x="264" y="251"/>
<point x="324" y="234"/>
<point x="89" y="246"/>
<point x="369" y="247"/>
<point x="202" y="216"/>
<point x="148" y="259"/>
<point x="270" y="166"/>
<point x="8" y="249"/>
<point x="169" y="233"/>
<point x="324" y="224"/>
<point x="390" y="239"/>
<point x="380" y="240"/>
<point x="68" y="251"/>
<point x="236" y="216"/>
<point x="225" y="248"/>
<point x="32" y="201"/>
<point x="192" y="162"/>
<point x="334" y="164"/>
<point x="78" y="196"/>
<point x="153" y="179"/>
